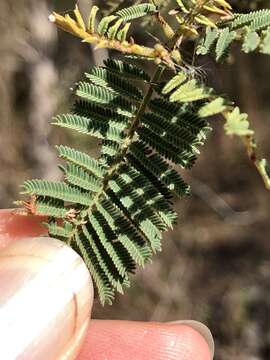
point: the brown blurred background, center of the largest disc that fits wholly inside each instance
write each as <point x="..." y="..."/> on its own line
<point x="215" y="266"/>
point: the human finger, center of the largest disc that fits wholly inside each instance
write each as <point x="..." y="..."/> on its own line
<point x="45" y="300"/>
<point x="121" y="340"/>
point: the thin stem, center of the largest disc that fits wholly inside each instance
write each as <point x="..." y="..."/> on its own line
<point x="251" y="148"/>
<point x="145" y="101"/>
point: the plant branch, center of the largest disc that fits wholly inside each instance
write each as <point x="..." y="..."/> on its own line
<point x="67" y="24"/>
<point x="260" y="164"/>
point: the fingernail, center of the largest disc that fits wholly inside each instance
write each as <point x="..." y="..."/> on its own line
<point x="202" y="330"/>
<point x="45" y="300"/>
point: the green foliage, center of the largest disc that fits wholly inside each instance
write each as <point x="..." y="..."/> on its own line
<point x="126" y="70"/>
<point x="251" y="41"/>
<point x="207" y="43"/>
<point x="113" y="209"/>
<point x="251" y="29"/>
<point x="237" y="124"/>
<point x="214" y="107"/>
<point x="225" y="39"/>
<point x="187" y="92"/>
<point x="175" y="82"/>
<point x="255" y="20"/>
<point x="116" y="26"/>
<point x="136" y="11"/>
<point x="265" y="43"/>
<point x="116" y="207"/>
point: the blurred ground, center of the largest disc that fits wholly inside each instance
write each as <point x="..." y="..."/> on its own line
<point x="215" y="266"/>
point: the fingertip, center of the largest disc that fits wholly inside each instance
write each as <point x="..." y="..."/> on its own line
<point x="119" y="340"/>
<point x="195" y="345"/>
<point x="46" y="300"/>
<point x="202" y="329"/>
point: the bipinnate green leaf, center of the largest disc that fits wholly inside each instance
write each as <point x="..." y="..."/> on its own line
<point x="115" y="208"/>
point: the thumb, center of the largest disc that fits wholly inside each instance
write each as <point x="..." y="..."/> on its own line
<point x="46" y="297"/>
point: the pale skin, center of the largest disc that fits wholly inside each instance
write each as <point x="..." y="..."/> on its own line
<point x="118" y="340"/>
